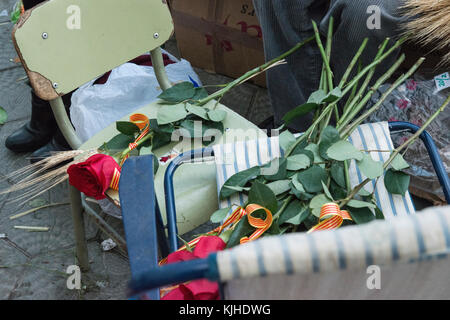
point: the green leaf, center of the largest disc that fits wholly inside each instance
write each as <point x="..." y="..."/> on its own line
<point x="198" y="111"/>
<point x="298" y="190"/>
<point x="312" y="178"/>
<point x="242" y="229"/>
<point x="334" y="95"/>
<point x="280" y="186"/>
<point x="370" y="168"/>
<point x="299" y="111"/>
<point x="200" y="129"/>
<point x="327" y="192"/>
<point x="317" y="202"/>
<point x="219" y="215"/>
<point x="286" y="139"/>
<point x="337" y="191"/>
<point x="217" y="115"/>
<point x="328" y="137"/>
<point x="178" y="93"/>
<point x="3" y="116"/>
<point x="360" y="204"/>
<point x="298" y="162"/>
<point x="295" y="213"/>
<point x="167" y="128"/>
<point x="399" y="163"/>
<point x="168" y="114"/>
<point x="317" y="97"/>
<point x="127" y="128"/>
<point x="314" y="148"/>
<point x="239" y="180"/>
<point x="297" y="184"/>
<point x="160" y="140"/>
<point x="200" y="93"/>
<point x="379" y="214"/>
<point x="225" y="235"/>
<point x="118" y="143"/>
<point x="361" y="215"/>
<point x="299" y="150"/>
<point x="364" y="193"/>
<point x="344" y="150"/>
<point x="194" y="129"/>
<point x="396" y="182"/>
<point x="263" y="195"/>
<point x="338" y="173"/>
<point x="282" y="167"/>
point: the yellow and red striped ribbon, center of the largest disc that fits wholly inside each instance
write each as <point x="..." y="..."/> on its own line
<point x="143" y="123"/>
<point x="234" y="218"/>
<point x="331" y="217"/>
<point x="258" y="223"/>
<point x="115" y="180"/>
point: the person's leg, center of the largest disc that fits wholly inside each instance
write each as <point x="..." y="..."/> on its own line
<point x="287" y="22"/>
<point x="41" y="132"/>
<point x="284" y="24"/>
<point x="356" y="20"/>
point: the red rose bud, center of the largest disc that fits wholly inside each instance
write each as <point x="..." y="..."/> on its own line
<point x="94" y="176"/>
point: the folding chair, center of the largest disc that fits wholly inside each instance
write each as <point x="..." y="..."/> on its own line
<point x="60" y="56"/>
<point x="300" y="256"/>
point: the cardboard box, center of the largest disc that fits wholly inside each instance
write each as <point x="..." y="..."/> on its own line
<point x="221" y="36"/>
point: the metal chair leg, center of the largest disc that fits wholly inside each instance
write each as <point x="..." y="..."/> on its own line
<point x="78" y="224"/>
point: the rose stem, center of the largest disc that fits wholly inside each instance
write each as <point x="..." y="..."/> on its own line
<point x="353" y="62"/>
<point x="351" y="102"/>
<point x="397" y="150"/>
<point x="283" y="207"/>
<point x="252" y="73"/>
<point x="324" y="55"/>
<point x="128" y="150"/>
<point x="355" y="110"/>
<point x="344" y="80"/>
<point x="398" y="82"/>
<point x="344" y="92"/>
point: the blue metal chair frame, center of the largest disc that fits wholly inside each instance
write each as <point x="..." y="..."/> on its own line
<point x="146" y="278"/>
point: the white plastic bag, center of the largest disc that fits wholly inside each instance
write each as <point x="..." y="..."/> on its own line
<point x="129" y="87"/>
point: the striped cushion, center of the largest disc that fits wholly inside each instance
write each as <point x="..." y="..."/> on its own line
<point x="424" y="236"/>
<point x="235" y="157"/>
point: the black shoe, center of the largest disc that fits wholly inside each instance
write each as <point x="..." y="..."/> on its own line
<point x="37" y="132"/>
<point x="41" y="128"/>
<point x="57" y="143"/>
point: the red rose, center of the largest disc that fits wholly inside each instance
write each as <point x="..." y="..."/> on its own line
<point x="199" y="289"/>
<point x="93" y="177"/>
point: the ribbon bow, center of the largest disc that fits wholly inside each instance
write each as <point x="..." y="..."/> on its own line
<point x="331" y="217"/>
<point x="258" y="223"/>
<point x="143" y="123"/>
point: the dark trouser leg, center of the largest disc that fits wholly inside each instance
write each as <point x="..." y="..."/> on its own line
<point x="287" y="22"/>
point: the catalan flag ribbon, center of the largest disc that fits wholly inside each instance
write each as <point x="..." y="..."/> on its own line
<point x="331" y="217"/>
<point x="143" y="123"/>
<point x="261" y="225"/>
<point x="115" y="180"/>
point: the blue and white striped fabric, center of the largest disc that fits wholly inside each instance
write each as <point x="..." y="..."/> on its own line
<point x="235" y="157"/>
<point x="425" y="236"/>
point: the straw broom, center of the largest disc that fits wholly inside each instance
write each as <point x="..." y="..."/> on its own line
<point x="429" y="24"/>
<point x="37" y="178"/>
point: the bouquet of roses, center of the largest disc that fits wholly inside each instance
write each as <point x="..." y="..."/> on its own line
<point x="311" y="189"/>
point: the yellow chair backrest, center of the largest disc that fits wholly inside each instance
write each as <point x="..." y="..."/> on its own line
<point x="65" y="43"/>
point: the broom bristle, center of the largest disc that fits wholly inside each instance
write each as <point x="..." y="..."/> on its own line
<point x="428" y="23"/>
